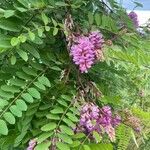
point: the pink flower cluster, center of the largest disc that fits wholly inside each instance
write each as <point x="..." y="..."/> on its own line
<point x="98" y="119"/>
<point x="32" y="144"/>
<point x="86" y="50"/>
<point x="134" y="17"/>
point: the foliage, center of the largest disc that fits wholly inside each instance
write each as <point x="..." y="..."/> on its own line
<point x="42" y="91"/>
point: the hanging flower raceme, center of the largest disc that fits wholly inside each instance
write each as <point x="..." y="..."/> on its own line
<point x="86" y="50"/>
<point x="134" y="17"/>
<point x="132" y="121"/>
<point x="98" y="119"/>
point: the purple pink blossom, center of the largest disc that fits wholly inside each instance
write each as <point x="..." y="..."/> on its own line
<point x="134" y="17"/>
<point x="93" y="118"/>
<point x="86" y="50"/>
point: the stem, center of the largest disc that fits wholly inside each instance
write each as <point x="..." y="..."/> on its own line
<point x="84" y="141"/>
<point x="21" y="94"/>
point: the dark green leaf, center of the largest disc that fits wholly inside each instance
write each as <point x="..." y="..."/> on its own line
<point x="44" y="18"/>
<point x="44" y="80"/>
<point x="65" y="138"/>
<point x="22" y="54"/>
<point x="13" y="59"/>
<point x="14" y="41"/>
<point x="57" y="110"/>
<point x="39" y="85"/>
<point x="21" y="105"/>
<point x="49" y="126"/>
<point x="27" y="97"/>
<point x="67" y="130"/>
<point x="14" y="109"/>
<point x="29" y="71"/>
<point x="44" y="136"/>
<point x="3" y="128"/>
<point x="34" y="93"/>
<point x="9" y="118"/>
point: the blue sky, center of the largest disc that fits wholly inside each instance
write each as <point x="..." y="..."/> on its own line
<point x="130" y="5"/>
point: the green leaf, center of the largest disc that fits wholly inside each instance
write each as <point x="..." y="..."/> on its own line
<point x="14" y="41"/>
<point x="65" y="138"/>
<point x="62" y="146"/>
<point x="8" y="13"/>
<point x="7" y="95"/>
<point x="91" y="18"/>
<point x="27" y="97"/>
<point x="22" y="38"/>
<point x="44" y="18"/>
<point x="43" y="146"/>
<point x="55" y="31"/>
<point x="7" y="24"/>
<point x="53" y="117"/>
<point x="17" y="82"/>
<point x="57" y="110"/>
<point x="23" y="75"/>
<point x="86" y="147"/>
<point x="63" y="103"/>
<point x="134" y="139"/>
<point x="79" y="135"/>
<point x="34" y="93"/>
<point x="138" y="4"/>
<point x="14" y="109"/>
<point x="69" y="122"/>
<point x="72" y="117"/>
<point x="3" y="127"/>
<point x="22" y="54"/>
<point x="55" y="68"/>
<point x="13" y="59"/>
<point x="39" y="85"/>
<point x="12" y="89"/>
<point x="97" y="136"/>
<point x="40" y="32"/>
<point x="47" y="28"/>
<point x="66" y="97"/>
<point x="36" y="66"/>
<point x="5" y="42"/>
<point x="67" y="130"/>
<point x="49" y="126"/>
<point x="21" y="105"/>
<point x="3" y="103"/>
<point x="44" y="136"/>
<point x="29" y="71"/>
<point x="31" y="49"/>
<point x="75" y="144"/>
<point x="98" y="19"/>
<point x="44" y="80"/>
<point x="54" y="22"/>
<point x="101" y="146"/>
<point x="9" y="118"/>
<point x="61" y="4"/>
<point x="31" y="35"/>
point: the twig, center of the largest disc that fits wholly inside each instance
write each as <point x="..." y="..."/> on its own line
<point x="84" y="141"/>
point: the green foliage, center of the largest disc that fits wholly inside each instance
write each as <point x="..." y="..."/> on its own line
<point x="41" y="90"/>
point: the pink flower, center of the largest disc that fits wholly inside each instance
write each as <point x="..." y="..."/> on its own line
<point x="97" y="39"/>
<point x="93" y="118"/>
<point x="134" y="17"/>
<point x="86" y="50"/>
<point x="83" y="54"/>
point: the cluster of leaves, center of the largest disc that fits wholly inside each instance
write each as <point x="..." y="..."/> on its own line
<point x="40" y="86"/>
